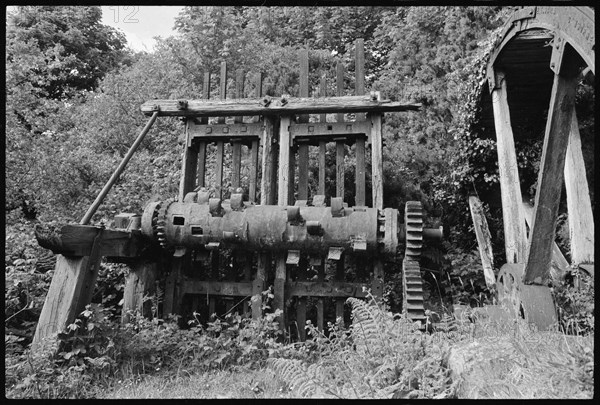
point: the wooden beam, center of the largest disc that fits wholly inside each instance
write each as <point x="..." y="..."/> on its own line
<point x="581" y="219"/>
<point x="284" y="162"/>
<point x="239" y="90"/>
<point x="359" y="72"/>
<point x="139" y="283"/>
<point x="217" y="288"/>
<point x="550" y="176"/>
<point x="201" y="171"/>
<point x="223" y="89"/>
<point x="303" y="171"/>
<point x="219" y="168"/>
<point x="267" y="191"/>
<point x="330" y="129"/>
<point x="326" y="289"/>
<point x="378" y="279"/>
<point x="259" y="283"/>
<point x="376" y="161"/>
<point x="515" y="238"/>
<point x="224" y="131"/>
<point x="253" y="171"/>
<point x="339" y="84"/>
<point x="339" y="168"/>
<point x="247" y="106"/>
<point x="360" y="199"/>
<point x="303" y="58"/>
<point x="558" y="262"/>
<point x="323" y="93"/>
<point x="236" y="163"/>
<point x="484" y="240"/>
<point x="77" y="240"/>
<point x="322" y="153"/>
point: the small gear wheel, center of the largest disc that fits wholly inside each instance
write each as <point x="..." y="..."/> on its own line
<point x="160" y="222"/>
<point x="412" y="282"/>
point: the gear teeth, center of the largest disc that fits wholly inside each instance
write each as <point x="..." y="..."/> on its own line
<point x="413" y="222"/>
<point x="413" y="290"/>
<point x="160" y="223"/>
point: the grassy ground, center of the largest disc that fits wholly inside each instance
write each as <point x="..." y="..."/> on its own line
<point x="239" y="383"/>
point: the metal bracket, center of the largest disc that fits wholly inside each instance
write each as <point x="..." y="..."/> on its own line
<point x="558" y="50"/>
<point x="293" y="257"/>
<point x="335" y="253"/>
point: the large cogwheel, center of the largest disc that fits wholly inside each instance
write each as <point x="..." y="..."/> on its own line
<point x="411" y="270"/>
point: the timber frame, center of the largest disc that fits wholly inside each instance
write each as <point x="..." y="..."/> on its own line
<point x="542" y="55"/>
<point x="267" y="141"/>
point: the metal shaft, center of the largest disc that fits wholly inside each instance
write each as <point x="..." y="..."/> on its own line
<point x="90" y="212"/>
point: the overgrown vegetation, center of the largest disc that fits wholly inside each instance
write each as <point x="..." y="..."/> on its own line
<point x="72" y="110"/>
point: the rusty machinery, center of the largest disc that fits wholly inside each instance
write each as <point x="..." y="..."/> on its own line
<point x="269" y="222"/>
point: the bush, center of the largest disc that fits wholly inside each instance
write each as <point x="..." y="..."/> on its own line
<point x="575" y="304"/>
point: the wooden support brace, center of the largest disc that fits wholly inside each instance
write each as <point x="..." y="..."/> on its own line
<point x="140" y="283"/>
<point x="581" y="219"/>
<point x="360" y="199"/>
<point x="484" y="240"/>
<point x="219" y="167"/>
<point x="360" y="72"/>
<point x="376" y="161"/>
<point x="70" y="291"/>
<point x="512" y="213"/>
<point x="551" y="173"/>
<point x="284" y="162"/>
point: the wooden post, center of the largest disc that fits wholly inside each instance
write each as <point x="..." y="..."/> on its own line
<point x="378" y="278"/>
<point x="267" y="191"/>
<point x="339" y="166"/>
<point x="376" y="161"/>
<point x="202" y="144"/>
<point x="484" y="240"/>
<point x="512" y="213"/>
<point x="258" y="286"/>
<point x="339" y="80"/>
<point x="70" y="291"/>
<point x="359" y="72"/>
<point x="581" y="220"/>
<point x="140" y="282"/>
<point x="550" y="176"/>
<point x="360" y="199"/>
<point x="284" y="162"/>
<point x="223" y="87"/>
<point x="237" y="145"/>
<point x="172" y="299"/>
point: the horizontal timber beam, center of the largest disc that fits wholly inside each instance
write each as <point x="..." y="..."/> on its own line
<point x="77" y="240"/>
<point x="330" y="129"/>
<point x="230" y="288"/>
<point x="211" y="133"/>
<point x="264" y="106"/>
<point x="325" y="289"/>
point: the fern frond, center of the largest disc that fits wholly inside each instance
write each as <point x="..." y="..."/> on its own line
<point x="303" y="382"/>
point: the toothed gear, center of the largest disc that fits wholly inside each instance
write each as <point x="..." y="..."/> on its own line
<point x="411" y="270"/>
<point x="160" y="222"/>
<point x="412" y="285"/>
<point x="413" y="221"/>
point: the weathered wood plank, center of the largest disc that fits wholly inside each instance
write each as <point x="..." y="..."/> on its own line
<point x="66" y="296"/>
<point x="376" y="161"/>
<point x="220" y="155"/>
<point x="225" y="131"/>
<point x="201" y="171"/>
<point x="340" y="277"/>
<point x="338" y="289"/>
<point x="512" y="213"/>
<point x="239" y="90"/>
<point x="322" y="153"/>
<point x="558" y="262"/>
<point x="77" y="240"/>
<point x="323" y="93"/>
<point x="249" y="106"/>
<point x="253" y="171"/>
<point x="359" y="84"/>
<point x="173" y="291"/>
<point x="217" y="288"/>
<point x="222" y="88"/>
<point x="303" y="58"/>
<point x="339" y="84"/>
<point x="284" y="162"/>
<point x="236" y="163"/>
<point x="303" y="171"/>
<point x="484" y="240"/>
<point x="340" y="149"/>
<point x="320" y="303"/>
<point x="361" y="186"/>
<point x="551" y="174"/>
<point x="301" y="304"/>
<point x="139" y="283"/>
<point x="581" y="219"/>
<point x="330" y="129"/>
<point x="205" y="93"/>
<point x="267" y="192"/>
<point x="292" y="173"/>
<point x="279" y="287"/>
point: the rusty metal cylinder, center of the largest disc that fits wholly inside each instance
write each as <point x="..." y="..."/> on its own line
<point x="267" y="228"/>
